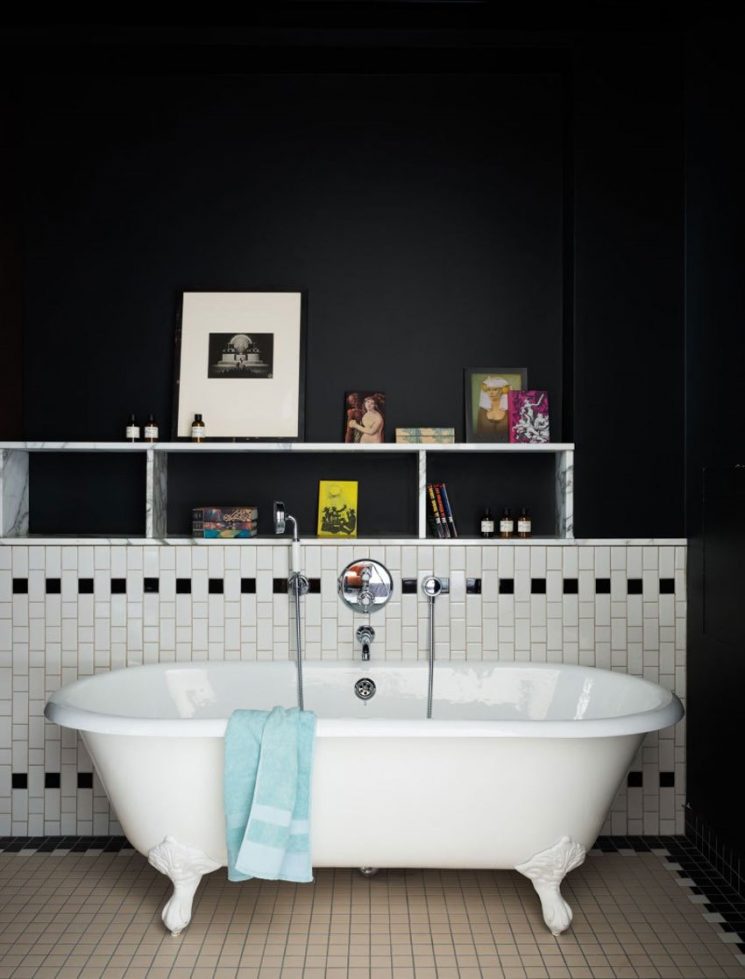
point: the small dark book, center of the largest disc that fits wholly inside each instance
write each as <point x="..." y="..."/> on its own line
<point x="434" y="512"/>
<point x="448" y="510"/>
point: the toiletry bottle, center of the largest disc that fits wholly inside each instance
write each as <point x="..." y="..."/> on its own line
<point x="524" y="523"/>
<point x="133" y="429"/>
<point x="506" y="524"/>
<point x="151" y="430"/>
<point x="197" y="429"/>
<point x="487" y="523"/>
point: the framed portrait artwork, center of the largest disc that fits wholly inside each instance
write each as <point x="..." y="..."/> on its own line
<point x="487" y="392"/>
<point x="240" y="364"/>
<point x="364" y="416"/>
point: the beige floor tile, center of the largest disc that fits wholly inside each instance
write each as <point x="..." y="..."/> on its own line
<point x="89" y="917"/>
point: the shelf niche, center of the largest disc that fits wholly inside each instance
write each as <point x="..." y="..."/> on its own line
<point x="97" y="488"/>
<point x="387" y="501"/>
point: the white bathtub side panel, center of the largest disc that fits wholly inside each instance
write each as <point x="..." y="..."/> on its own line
<point x="383" y="802"/>
<point x="460" y="803"/>
<point x="162" y="787"/>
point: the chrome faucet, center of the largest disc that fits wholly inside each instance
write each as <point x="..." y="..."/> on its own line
<point x="365" y="635"/>
<point x="281" y="519"/>
<point x="297" y="585"/>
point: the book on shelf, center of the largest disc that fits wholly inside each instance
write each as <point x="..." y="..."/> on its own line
<point x="434" y="515"/>
<point x="441" y="511"/>
<point x="448" y="510"/>
<point x="441" y="508"/>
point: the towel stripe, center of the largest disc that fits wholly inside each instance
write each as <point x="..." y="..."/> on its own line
<point x="271" y="814"/>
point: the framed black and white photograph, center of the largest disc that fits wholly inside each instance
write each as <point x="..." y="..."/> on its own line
<point x="240" y="364"/>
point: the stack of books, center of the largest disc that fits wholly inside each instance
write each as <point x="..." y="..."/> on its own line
<point x="224" y="521"/>
<point x="441" y="513"/>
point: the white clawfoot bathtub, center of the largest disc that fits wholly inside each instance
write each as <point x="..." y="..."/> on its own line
<point x="517" y="768"/>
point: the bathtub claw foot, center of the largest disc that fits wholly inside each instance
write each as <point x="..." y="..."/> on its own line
<point x="184" y="866"/>
<point x="546" y="870"/>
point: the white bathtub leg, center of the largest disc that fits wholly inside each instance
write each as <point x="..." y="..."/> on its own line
<point x="185" y="866"/>
<point x="547" y="869"/>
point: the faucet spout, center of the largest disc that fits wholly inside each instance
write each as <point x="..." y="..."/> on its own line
<point x="365" y="635"/>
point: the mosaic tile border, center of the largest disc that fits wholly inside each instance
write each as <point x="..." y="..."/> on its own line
<point x="726" y="860"/>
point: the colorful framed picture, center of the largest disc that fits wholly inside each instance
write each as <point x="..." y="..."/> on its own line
<point x="529" y="416"/>
<point x="240" y="363"/>
<point x="364" y="416"/>
<point x="337" y="508"/>
<point x="487" y="401"/>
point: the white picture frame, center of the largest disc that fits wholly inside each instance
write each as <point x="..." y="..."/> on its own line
<point x="240" y="364"/>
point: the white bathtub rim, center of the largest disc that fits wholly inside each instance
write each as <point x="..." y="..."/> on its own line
<point x="668" y="712"/>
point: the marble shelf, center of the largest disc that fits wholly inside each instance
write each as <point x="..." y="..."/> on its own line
<point x="14" y="475"/>
<point x="356" y="542"/>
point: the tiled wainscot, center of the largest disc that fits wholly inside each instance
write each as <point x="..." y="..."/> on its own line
<point x="68" y="611"/>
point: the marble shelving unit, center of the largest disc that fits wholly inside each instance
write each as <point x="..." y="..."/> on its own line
<point x="14" y="475"/>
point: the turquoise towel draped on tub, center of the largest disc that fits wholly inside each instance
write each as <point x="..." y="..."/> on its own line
<point x="268" y="768"/>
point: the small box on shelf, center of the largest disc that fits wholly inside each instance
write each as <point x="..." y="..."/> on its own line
<point x="224" y="521"/>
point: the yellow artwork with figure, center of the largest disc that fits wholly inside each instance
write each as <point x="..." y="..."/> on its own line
<point x="337" y="508"/>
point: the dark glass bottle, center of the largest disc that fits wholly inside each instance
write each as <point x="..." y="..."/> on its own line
<point x="133" y="429"/>
<point x="524" y="524"/>
<point x="487" y="523"/>
<point x="150" y="433"/>
<point x="198" y="429"/>
<point x="506" y="523"/>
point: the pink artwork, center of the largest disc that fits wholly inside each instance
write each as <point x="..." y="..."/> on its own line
<point x="528" y="416"/>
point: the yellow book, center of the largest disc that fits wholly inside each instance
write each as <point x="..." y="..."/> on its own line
<point x="337" y="508"/>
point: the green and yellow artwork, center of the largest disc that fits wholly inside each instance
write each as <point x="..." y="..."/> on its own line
<point x="337" y="508"/>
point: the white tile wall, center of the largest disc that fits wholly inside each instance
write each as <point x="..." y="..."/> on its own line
<point x="47" y="640"/>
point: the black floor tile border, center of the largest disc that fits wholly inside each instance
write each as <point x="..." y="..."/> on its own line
<point x="75" y="844"/>
<point x="721" y="898"/>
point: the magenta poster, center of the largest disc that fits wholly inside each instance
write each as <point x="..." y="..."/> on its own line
<point x="528" y="416"/>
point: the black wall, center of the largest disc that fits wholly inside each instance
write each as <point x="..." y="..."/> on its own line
<point x="715" y="357"/>
<point x="485" y="199"/>
<point x="11" y="276"/>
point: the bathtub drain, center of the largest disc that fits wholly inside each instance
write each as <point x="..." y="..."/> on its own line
<point x="364" y="688"/>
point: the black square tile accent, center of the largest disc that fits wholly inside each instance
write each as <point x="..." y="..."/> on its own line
<point x="279" y="586"/>
<point x="506" y="586"/>
<point x="634" y="780"/>
<point x="54" y="586"/>
<point x="118" y="586"/>
<point x="635" y="586"/>
<point x="183" y="586"/>
<point x="571" y="586"/>
<point x="537" y="586"/>
<point x="216" y="586"/>
<point x="51" y="780"/>
<point x="151" y="585"/>
<point x="85" y="780"/>
<point x="602" y="586"/>
<point x="19" y="780"/>
<point x="667" y="780"/>
<point x="20" y="586"/>
<point x="473" y="586"/>
<point x="85" y="586"/>
<point x="248" y="586"/>
<point x="667" y="586"/>
<point x="314" y="586"/>
<point x="408" y="586"/>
